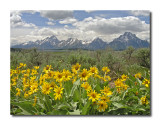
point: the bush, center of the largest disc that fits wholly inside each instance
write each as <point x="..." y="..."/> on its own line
<point x="143" y="57"/>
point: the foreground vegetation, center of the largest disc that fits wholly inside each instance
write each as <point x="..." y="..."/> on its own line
<point x="80" y="82"/>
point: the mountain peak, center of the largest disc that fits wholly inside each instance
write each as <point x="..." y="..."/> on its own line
<point x="51" y="38"/>
<point x="97" y="39"/>
<point x="127" y="33"/>
<point x="120" y="43"/>
<point x="126" y="40"/>
<point x="126" y="37"/>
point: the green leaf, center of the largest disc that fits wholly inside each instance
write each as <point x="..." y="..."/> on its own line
<point x="76" y="112"/>
<point x="48" y="104"/>
<point x="139" y="81"/>
<point x="124" y="94"/>
<point x="115" y="98"/>
<point x="68" y="87"/>
<point x="58" y="112"/>
<point x="64" y="106"/>
<point x="98" y="88"/>
<point x="75" y="84"/>
<point x="26" y="107"/>
<point x="118" y="105"/>
<point x="76" y="96"/>
<point x="85" y="108"/>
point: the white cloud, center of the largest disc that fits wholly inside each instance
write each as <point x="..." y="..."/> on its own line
<point x="89" y="11"/>
<point x="140" y="12"/>
<point x="68" y="21"/>
<point x="50" y="23"/>
<point x="56" y="14"/>
<point x="113" y="25"/>
<point x="87" y="29"/>
<point x="17" y="22"/>
<point x="66" y="26"/>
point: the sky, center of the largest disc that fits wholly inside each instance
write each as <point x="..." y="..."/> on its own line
<point x="32" y="25"/>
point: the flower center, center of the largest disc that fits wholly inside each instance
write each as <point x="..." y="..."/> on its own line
<point x="93" y="95"/>
<point x="84" y="74"/>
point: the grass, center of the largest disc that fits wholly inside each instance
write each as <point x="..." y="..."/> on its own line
<point x="117" y="61"/>
<point x="40" y="91"/>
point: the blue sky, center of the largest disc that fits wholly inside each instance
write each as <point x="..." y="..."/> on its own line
<point x="30" y="25"/>
<point x="38" y="20"/>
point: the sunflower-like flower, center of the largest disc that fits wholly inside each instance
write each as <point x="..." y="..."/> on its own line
<point x="105" y="69"/>
<point x="86" y="86"/>
<point x="146" y="82"/>
<point x="21" y="65"/>
<point x="93" y="70"/>
<point x="47" y="68"/>
<point x="59" y="76"/>
<point x="138" y="75"/>
<point x="105" y="98"/>
<point x="124" y="77"/>
<point x="33" y="88"/>
<point x="118" y="82"/>
<point x="76" y="68"/>
<point x="106" y="78"/>
<point x="84" y="75"/>
<point x="144" y="100"/>
<point x="26" y="94"/>
<point x="34" y="72"/>
<point x="18" y="92"/>
<point x="102" y="106"/>
<point x="93" y="96"/>
<point x="35" y="100"/>
<point x="58" y="92"/>
<point x="106" y="91"/>
<point x="36" y="67"/>
<point x="46" y="88"/>
<point x="67" y="75"/>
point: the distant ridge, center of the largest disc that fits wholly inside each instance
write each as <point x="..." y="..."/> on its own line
<point x="120" y="43"/>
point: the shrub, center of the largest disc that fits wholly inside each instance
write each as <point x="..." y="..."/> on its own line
<point x="143" y="57"/>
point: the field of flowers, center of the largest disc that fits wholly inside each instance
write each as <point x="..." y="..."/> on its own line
<point x="78" y="91"/>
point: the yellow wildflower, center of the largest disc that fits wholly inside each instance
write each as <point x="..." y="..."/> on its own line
<point x="84" y="75"/>
<point x="46" y="88"/>
<point x="21" y="65"/>
<point x="138" y="75"/>
<point x="67" y="75"/>
<point x="124" y="77"/>
<point x="106" y="78"/>
<point x="35" y="100"/>
<point x="58" y="92"/>
<point x="102" y="106"/>
<point x="18" y="92"/>
<point x="26" y="94"/>
<point x="106" y="91"/>
<point x="34" y="72"/>
<point x="105" y="98"/>
<point x="105" y="69"/>
<point x="59" y="76"/>
<point x="23" y="71"/>
<point x="118" y="83"/>
<point x="86" y="86"/>
<point x="93" y="96"/>
<point x="76" y="67"/>
<point x="93" y="70"/>
<point x="47" y="68"/>
<point x="36" y="67"/>
<point x="144" y="101"/>
<point x="146" y="82"/>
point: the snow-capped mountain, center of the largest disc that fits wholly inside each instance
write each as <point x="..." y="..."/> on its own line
<point x="126" y="40"/>
<point x="120" y="43"/>
<point x="97" y="43"/>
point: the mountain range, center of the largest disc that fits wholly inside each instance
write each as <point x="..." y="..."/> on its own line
<point x="120" y="43"/>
